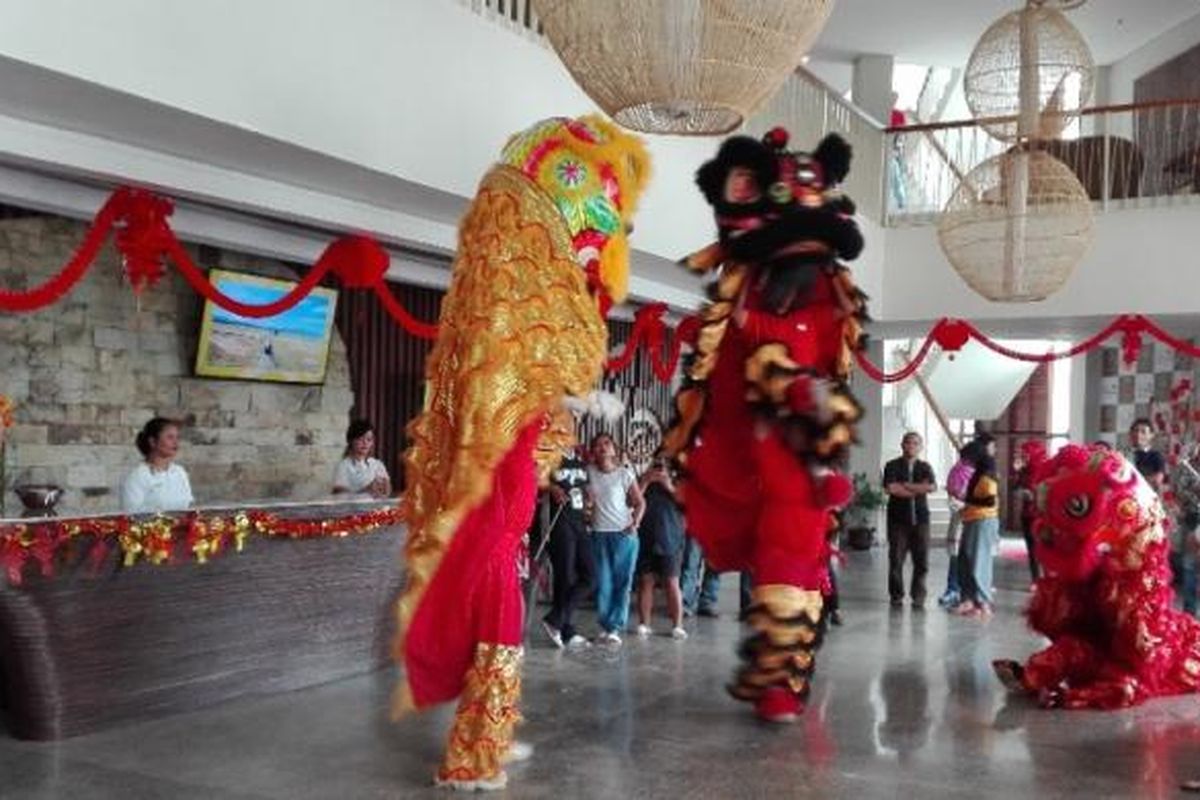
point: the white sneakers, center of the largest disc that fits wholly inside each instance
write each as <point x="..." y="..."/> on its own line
<point x="677" y="633"/>
<point x="482" y="785"/>
<point x="609" y="637"/>
<point x="520" y="751"/>
<point x="554" y="633"/>
<point x="577" y="642"/>
<point x="643" y="632"/>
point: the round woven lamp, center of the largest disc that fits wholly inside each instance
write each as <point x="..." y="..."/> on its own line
<point x="696" y="67"/>
<point x="1017" y="226"/>
<point x="1033" y="64"/>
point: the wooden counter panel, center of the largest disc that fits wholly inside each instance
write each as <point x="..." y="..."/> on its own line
<point x="83" y="651"/>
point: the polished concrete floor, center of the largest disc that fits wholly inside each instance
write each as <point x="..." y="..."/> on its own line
<point x="905" y="706"/>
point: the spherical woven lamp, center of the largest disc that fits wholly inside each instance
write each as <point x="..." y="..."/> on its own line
<point x="1034" y="64"/>
<point x="696" y="67"/>
<point x="1017" y="226"/>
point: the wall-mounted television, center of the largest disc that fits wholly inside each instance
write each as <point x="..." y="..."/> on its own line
<point x="292" y="347"/>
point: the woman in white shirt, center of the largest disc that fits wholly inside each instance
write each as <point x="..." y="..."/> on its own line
<point x="158" y="483"/>
<point x="617" y="508"/>
<point x="358" y="473"/>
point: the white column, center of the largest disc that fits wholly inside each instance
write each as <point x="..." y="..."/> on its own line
<point x="867" y="455"/>
<point x="1085" y="397"/>
<point x="871" y="89"/>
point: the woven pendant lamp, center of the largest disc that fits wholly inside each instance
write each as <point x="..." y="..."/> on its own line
<point x="697" y="67"/>
<point x="1034" y="64"/>
<point x="1019" y="223"/>
<point x="1017" y="226"/>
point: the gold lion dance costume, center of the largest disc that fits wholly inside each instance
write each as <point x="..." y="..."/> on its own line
<point x="542" y="252"/>
<point x="1105" y="600"/>
<point x="765" y="412"/>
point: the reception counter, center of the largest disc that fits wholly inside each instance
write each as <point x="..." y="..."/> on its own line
<point x="111" y="638"/>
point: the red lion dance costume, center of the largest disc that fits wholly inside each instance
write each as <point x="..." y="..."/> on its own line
<point x="765" y="408"/>
<point x="1105" y="599"/>
<point x="542" y="251"/>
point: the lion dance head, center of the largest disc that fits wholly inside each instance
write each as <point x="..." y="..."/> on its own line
<point x="782" y="208"/>
<point x="595" y="173"/>
<point x="1094" y="510"/>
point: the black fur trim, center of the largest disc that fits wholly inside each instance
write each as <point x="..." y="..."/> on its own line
<point x="839" y="233"/>
<point x="834" y="153"/>
<point x="737" y="151"/>
<point x="842" y="204"/>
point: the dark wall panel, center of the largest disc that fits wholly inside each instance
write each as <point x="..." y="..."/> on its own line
<point x="387" y="371"/>
<point x="387" y="365"/>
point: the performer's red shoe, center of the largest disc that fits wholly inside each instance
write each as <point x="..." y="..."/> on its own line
<point x="778" y="705"/>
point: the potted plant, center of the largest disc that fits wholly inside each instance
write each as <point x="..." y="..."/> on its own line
<point x="858" y="519"/>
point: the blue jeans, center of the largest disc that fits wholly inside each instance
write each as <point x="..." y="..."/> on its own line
<point x="689" y="574"/>
<point x="703" y="593"/>
<point x="953" y="531"/>
<point x="710" y="589"/>
<point x="975" y="559"/>
<point x="615" y="554"/>
<point x="1185" y="564"/>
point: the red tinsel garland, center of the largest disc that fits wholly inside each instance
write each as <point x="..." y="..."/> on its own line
<point x="143" y="235"/>
<point x="649" y="332"/>
<point x="952" y="334"/>
<point x="140" y="222"/>
<point x="162" y="540"/>
<point x="57" y="286"/>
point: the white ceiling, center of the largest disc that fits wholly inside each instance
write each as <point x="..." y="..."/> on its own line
<point x="943" y="32"/>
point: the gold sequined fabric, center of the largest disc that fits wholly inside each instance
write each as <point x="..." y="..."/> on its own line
<point x="488" y="713"/>
<point x="518" y="330"/>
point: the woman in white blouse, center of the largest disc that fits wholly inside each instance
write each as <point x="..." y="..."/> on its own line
<point x="359" y="473"/>
<point x="158" y="483"/>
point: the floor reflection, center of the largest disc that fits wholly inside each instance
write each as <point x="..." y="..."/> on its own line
<point x="905" y="724"/>
<point x="904" y="704"/>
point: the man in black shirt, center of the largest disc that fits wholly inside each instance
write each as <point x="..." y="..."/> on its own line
<point x="570" y="550"/>
<point x="907" y="481"/>
<point x="1147" y="460"/>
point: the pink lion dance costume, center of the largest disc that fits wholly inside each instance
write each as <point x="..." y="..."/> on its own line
<point x="542" y="251"/>
<point x="765" y="410"/>
<point x="1105" y="599"/>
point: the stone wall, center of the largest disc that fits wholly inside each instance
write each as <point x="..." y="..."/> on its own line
<point x="88" y="372"/>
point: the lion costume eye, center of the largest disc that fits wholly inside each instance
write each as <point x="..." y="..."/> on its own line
<point x="1078" y="506"/>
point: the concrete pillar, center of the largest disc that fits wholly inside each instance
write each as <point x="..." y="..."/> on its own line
<point x="1098" y="124"/>
<point x="1081" y="378"/>
<point x="871" y="88"/>
<point x="867" y="455"/>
